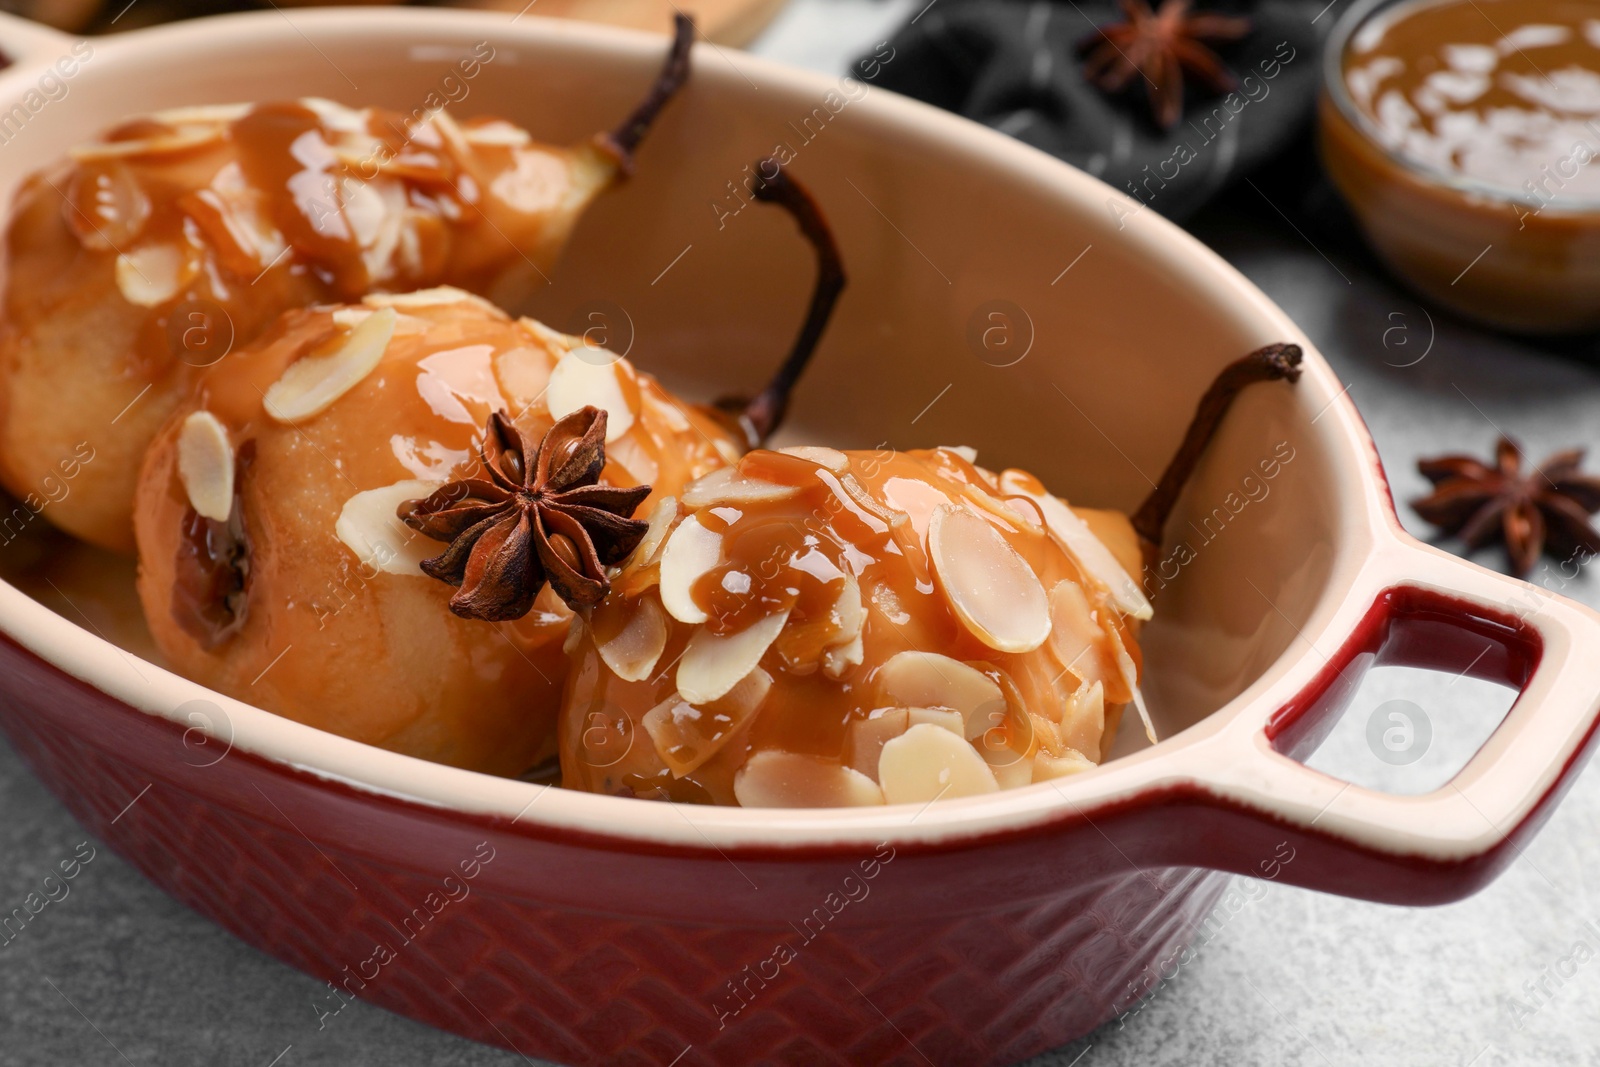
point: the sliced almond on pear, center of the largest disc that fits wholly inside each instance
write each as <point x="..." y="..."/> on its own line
<point x="1011" y="769"/>
<point x="496" y="132"/>
<point x="691" y="552"/>
<point x="869" y="735"/>
<point x="1079" y="542"/>
<point x="523" y="373"/>
<point x="712" y="663"/>
<point x="661" y="517"/>
<point x="944" y="718"/>
<point x="205" y="465"/>
<point x="686" y="736"/>
<point x="1076" y="638"/>
<point x="915" y="679"/>
<point x="368" y="527"/>
<point x="987" y="583"/>
<point x="151" y="275"/>
<point x="178" y="141"/>
<point x="634" y="456"/>
<point x="774" y="779"/>
<point x="839" y="660"/>
<point x="822" y="456"/>
<point x="313" y="383"/>
<point x="577" y="383"/>
<point x="728" y="486"/>
<point x="930" y="763"/>
<point x="201" y="114"/>
<point x="633" y="652"/>
<point x="438" y="296"/>
<point x="1047" y="767"/>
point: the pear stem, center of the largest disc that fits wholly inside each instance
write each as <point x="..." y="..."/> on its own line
<point x="1276" y="362"/>
<point x="761" y="416"/>
<point x="623" y="141"/>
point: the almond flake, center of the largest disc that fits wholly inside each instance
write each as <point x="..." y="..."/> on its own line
<point x="498" y="132"/>
<point x="928" y="680"/>
<point x="989" y="586"/>
<point x="205" y="465"/>
<point x="930" y="763"/>
<point x="404" y="325"/>
<point x="313" y="383"/>
<point x="219" y="114"/>
<point x="369" y="527"/>
<point x="691" y="552"/>
<point x="1047" y="767"/>
<point x="869" y="735"/>
<point x="633" y="652"/>
<point x="1011" y="769"/>
<point x="151" y="275"/>
<point x="822" y="456"/>
<point x="686" y="736"/>
<point x="576" y="383"/>
<point x="774" y="779"/>
<point x="438" y="296"/>
<point x="1079" y="542"/>
<point x="837" y="661"/>
<point x="943" y="718"/>
<point x="712" y="663"/>
<point x="728" y="486"/>
<point x="523" y="372"/>
<point x="180" y="141"/>
<point x="661" y="517"/>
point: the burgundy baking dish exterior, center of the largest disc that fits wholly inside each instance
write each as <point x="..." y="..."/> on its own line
<point x="589" y="929"/>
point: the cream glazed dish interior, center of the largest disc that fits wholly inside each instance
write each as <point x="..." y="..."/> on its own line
<point x="469" y="456"/>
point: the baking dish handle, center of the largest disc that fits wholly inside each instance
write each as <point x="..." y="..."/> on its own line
<point x="24" y="41"/>
<point x="1435" y="611"/>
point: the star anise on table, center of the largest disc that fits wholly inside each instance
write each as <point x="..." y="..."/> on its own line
<point x="1161" y="47"/>
<point x="1547" y="506"/>
<point x="537" y="517"/>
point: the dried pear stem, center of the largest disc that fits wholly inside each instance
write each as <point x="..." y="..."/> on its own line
<point x="1277" y="362"/>
<point x="623" y="141"/>
<point x="762" y="415"/>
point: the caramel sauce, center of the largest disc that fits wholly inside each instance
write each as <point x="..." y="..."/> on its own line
<point x="1505" y="92"/>
<point x="867" y="524"/>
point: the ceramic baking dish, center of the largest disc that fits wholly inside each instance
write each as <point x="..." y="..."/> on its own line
<point x="594" y="929"/>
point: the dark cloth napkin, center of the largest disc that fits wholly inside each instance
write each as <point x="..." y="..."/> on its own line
<point x="1017" y="66"/>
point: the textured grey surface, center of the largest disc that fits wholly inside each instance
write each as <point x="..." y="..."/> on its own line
<point x="114" y="972"/>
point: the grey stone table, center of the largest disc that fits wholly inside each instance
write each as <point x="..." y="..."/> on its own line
<point x="116" y="973"/>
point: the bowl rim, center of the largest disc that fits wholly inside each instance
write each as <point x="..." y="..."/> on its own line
<point x="1367" y="523"/>
<point x="1337" y="92"/>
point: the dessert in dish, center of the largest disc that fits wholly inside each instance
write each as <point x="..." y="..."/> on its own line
<point x="265" y="519"/>
<point x="395" y="512"/>
<point x="275" y="567"/>
<point x="146" y="255"/>
<point x="817" y="628"/>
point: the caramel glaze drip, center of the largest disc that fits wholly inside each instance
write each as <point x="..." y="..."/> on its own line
<point x="285" y="204"/>
<point x="869" y="521"/>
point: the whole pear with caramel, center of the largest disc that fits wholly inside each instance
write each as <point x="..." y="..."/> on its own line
<point x="274" y="568"/>
<point x="143" y="257"/>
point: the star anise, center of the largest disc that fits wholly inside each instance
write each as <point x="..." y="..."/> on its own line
<point x="536" y="518"/>
<point x="1549" y="505"/>
<point x="1161" y="46"/>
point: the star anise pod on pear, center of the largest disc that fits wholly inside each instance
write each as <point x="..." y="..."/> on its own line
<point x="1162" y="47"/>
<point x="536" y="517"/>
<point x="1548" y="506"/>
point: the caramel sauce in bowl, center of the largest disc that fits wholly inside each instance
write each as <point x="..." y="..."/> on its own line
<point x="1461" y="134"/>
